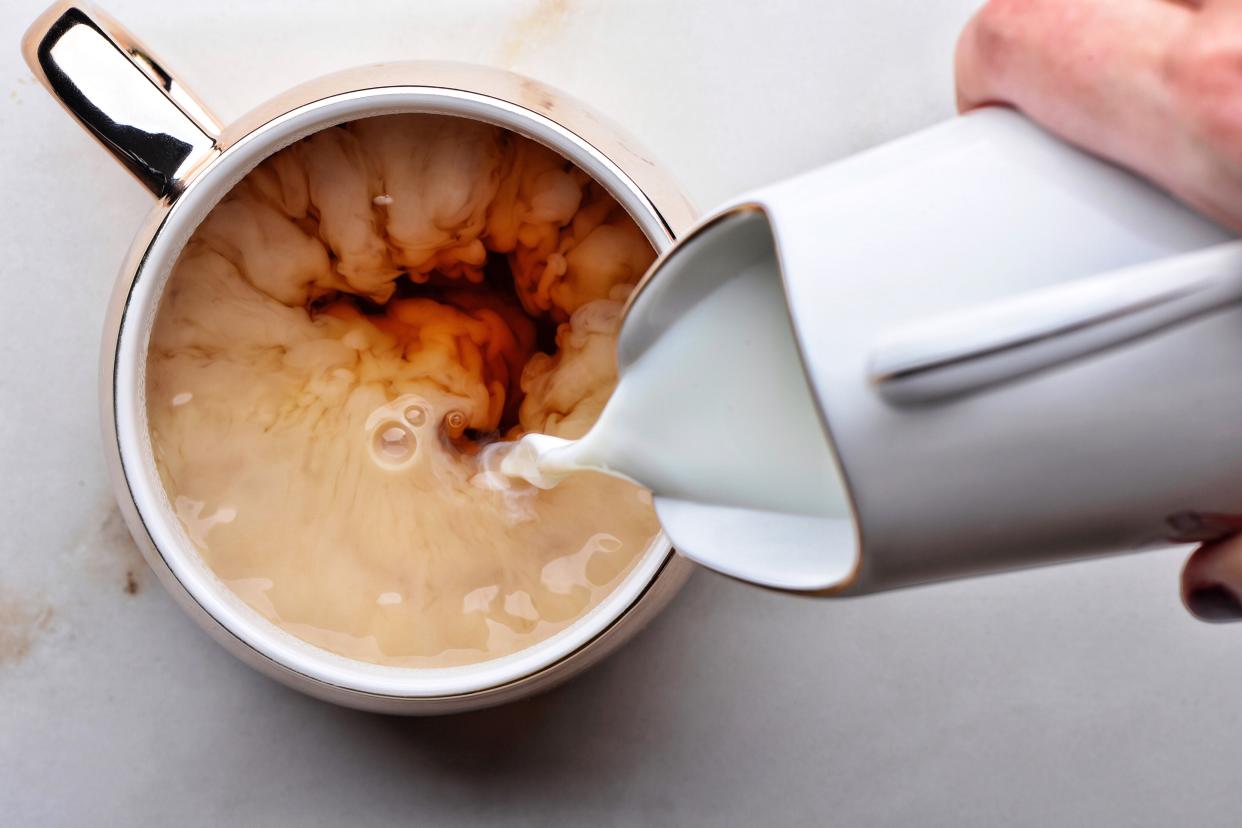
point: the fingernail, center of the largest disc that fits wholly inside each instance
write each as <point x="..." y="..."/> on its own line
<point x="1214" y="603"/>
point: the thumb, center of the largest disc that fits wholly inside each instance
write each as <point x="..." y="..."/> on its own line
<point x="1212" y="581"/>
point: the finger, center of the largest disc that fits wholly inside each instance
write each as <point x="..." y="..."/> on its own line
<point x="1096" y="72"/>
<point x="1212" y="581"/>
<point x="1045" y="51"/>
<point x="1092" y="71"/>
<point x="1150" y="84"/>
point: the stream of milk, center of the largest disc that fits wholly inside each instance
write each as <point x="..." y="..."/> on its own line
<point x="716" y="411"/>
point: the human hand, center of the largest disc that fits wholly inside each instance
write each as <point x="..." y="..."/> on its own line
<point x="1153" y="85"/>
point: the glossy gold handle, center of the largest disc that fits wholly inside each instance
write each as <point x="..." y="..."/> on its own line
<point x="122" y="95"/>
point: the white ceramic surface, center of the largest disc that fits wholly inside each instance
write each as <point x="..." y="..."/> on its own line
<point x="1072" y="696"/>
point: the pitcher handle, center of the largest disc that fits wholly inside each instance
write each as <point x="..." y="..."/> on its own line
<point x="122" y="95"/>
<point x="966" y="351"/>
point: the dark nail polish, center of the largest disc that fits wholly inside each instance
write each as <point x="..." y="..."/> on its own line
<point x="1214" y="603"/>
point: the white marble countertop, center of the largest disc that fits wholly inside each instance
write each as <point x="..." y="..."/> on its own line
<point x="1073" y="696"/>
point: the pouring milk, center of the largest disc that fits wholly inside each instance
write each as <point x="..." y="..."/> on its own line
<point x="973" y="349"/>
<point x="716" y="410"/>
<point x="714" y="414"/>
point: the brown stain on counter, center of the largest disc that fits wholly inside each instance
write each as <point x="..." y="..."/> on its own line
<point x="116" y="544"/>
<point x="108" y="552"/>
<point x="533" y="29"/>
<point x="22" y="619"/>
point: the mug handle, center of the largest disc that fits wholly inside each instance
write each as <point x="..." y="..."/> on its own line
<point x="122" y="95"/>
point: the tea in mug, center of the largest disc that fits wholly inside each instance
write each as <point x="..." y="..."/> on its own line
<point x="343" y="334"/>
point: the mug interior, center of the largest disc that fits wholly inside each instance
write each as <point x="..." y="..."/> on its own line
<point x="130" y="412"/>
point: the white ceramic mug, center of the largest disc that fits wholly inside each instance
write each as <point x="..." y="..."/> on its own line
<point x="1017" y="354"/>
<point x="120" y="93"/>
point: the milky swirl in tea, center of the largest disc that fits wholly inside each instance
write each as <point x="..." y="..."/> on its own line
<point x="340" y="337"/>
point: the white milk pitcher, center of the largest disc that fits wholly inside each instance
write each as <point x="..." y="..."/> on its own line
<point x="973" y="349"/>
